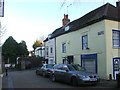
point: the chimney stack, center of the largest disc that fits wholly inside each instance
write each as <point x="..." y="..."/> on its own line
<point x="118" y="3"/>
<point x="65" y="20"/>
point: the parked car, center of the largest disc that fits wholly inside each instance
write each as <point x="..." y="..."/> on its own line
<point x="73" y="74"/>
<point x="45" y="70"/>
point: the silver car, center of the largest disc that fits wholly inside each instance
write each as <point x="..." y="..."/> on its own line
<point x="45" y="70"/>
<point x="73" y="74"/>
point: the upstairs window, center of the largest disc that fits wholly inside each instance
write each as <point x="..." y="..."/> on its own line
<point x="63" y="47"/>
<point x="116" y="38"/>
<point x="51" y="50"/>
<point x="47" y="50"/>
<point x="84" y="42"/>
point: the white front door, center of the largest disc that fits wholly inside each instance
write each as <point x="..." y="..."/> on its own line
<point x="116" y="66"/>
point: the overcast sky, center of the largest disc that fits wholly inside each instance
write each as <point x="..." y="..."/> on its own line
<point x="29" y="20"/>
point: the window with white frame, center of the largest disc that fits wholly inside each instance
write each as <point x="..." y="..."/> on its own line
<point x="84" y="42"/>
<point x="63" y="47"/>
<point x="116" y="38"/>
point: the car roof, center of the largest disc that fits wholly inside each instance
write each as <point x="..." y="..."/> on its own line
<point x="48" y="64"/>
<point x="65" y="64"/>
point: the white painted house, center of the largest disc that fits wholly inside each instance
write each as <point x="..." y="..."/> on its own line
<point x="50" y="50"/>
<point x="40" y="52"/>
<point x="93" y="41"/>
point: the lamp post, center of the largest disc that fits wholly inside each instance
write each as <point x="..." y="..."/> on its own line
<point x="41" y="51"/>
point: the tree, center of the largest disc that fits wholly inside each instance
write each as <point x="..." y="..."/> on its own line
<point x="22" y="49"/>
<point x="37" y="43"/>
<point x="65" y="4"/>
<point x="10" y="50"/>
<point x="2" y="31"/>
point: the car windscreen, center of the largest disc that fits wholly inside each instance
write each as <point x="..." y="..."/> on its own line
<point x="71" y="68"/>
<point x="78" y="68"/>
<point x="49" y="66"/>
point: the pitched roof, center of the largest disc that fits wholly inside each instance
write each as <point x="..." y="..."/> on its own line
<point x="106" y="11"/>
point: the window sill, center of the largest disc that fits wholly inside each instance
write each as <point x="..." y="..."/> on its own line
<point x="86" y="49"/>
<point x="63" y="52"/>
<point x="116" y="47"/>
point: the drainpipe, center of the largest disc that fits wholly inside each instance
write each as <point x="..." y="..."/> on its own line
<point x="55" y="52"/>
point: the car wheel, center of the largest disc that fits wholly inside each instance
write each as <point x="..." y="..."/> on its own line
<point x="37" y="73"/>
<point x="74" y="81"/>
<point x="44" y="75"/>
<point x="53" y="78"/>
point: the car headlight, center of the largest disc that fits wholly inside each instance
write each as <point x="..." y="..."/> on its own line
<point x="83" y="76"/>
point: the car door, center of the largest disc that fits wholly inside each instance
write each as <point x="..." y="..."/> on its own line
<point x="38" y="70"/>
<point x="41" y="70"/>
<point x="64" y="73"/>
<point x="58" y="72"/>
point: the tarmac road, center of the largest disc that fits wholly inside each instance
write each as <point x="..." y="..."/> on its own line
<point x="28" y="79"/>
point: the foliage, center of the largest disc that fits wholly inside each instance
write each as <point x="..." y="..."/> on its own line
<point x="11" y="50"/>
<point x="37" y="43"/>
<point x="22" y="48"/>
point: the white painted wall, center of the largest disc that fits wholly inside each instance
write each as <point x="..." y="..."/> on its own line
<point x="51" y="56"/>
<point x="40" y="52"/>
<point x="110" y="51"/>
<point x="96" y="43"/>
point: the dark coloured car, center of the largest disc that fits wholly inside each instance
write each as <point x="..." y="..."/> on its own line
<point x="45" y="70"/>
<point x="73" y="74"/>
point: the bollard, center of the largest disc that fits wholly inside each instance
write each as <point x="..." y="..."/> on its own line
<point x="110" y="76"/>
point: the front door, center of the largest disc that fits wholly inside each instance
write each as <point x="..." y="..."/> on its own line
<point x="116" y="66"/>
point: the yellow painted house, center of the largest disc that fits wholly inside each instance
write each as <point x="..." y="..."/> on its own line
<point x="93" y="41"/>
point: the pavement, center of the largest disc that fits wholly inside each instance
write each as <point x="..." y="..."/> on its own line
<point x="1" y="76"/>
<point x="107" y="84"/>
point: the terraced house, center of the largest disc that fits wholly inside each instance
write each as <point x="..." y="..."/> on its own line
<point x="93" y="41"/>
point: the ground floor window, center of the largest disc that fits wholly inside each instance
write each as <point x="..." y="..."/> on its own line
<point x="51" y="61"/>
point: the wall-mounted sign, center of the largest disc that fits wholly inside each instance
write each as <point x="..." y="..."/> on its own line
<point x="101" y="33"/>
<point x="67" y="28"/>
